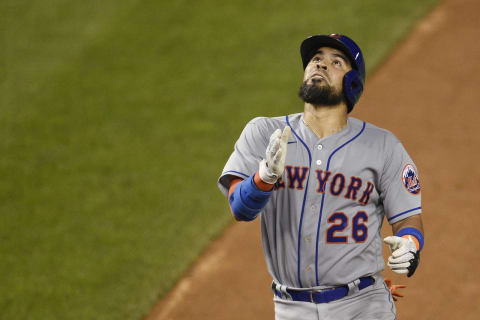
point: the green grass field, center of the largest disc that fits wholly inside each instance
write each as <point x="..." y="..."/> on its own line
<point x="116" y="119"/>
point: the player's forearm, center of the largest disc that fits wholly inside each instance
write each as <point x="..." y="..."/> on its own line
<point x="412" y="221"/>
<point x="248" y="197"/>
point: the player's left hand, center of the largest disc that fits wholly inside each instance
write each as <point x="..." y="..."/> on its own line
<point x="394" y="289"/>
<point x="405" y="257"/>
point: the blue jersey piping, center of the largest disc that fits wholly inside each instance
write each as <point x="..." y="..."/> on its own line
<point x="240" y="173"/>
<point x="402" y="213"/>
<point x="323" y="199"/>
<point x="303" y="204"/>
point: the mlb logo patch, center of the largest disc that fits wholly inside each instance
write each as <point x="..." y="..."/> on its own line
<point x="410" y="179"/>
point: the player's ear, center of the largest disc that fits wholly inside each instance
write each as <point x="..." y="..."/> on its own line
<point x="352" y="87"/>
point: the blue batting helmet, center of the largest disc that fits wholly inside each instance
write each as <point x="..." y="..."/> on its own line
<point x="354" y="80"/>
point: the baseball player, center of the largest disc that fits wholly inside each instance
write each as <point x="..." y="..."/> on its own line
<point x="323" y="182"/>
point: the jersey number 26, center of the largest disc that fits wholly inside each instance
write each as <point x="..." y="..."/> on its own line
<point x="339" y="222"/>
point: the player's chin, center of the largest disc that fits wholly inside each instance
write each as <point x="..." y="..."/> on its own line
<point x="320" y="83"/>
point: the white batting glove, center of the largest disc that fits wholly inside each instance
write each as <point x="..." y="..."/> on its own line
<point x="404" y="258"/>
<point x="272" y="167"/>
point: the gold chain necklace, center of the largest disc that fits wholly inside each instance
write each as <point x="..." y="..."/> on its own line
<point x="313" y="130"/>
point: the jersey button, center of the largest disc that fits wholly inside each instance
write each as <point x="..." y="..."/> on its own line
<point x="319" y="162"/>
<point x="319" y="147"/>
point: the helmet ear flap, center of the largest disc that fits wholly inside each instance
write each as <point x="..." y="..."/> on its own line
<point x="352" y="87"/>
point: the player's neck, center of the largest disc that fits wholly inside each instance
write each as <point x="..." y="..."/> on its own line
<point x="324" y="121"/>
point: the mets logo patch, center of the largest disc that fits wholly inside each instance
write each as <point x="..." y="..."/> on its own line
<point x="410" y="179"/>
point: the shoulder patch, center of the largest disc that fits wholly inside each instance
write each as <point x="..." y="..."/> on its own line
<point x="410" y="179"/>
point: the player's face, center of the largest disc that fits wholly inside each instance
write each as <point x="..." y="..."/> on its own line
<point x="327" y="68"/>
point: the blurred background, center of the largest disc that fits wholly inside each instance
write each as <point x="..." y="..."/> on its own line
<point x="116" y="119"/>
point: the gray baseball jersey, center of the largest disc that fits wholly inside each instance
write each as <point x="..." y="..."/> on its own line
<point x="321" y="226"/>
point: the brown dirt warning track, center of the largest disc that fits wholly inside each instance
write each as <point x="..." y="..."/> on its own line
<point x="428" y="94"/>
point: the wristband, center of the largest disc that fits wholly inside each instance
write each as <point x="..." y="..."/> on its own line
<point x="409" y="231"/>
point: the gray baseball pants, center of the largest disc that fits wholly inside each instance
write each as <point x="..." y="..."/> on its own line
<point x="372" y="303"/>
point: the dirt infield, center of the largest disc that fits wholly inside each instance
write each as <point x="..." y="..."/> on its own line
<point x="427" y="93"/>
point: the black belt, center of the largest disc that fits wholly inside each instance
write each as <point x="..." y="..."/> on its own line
<point x="323" y="296"/>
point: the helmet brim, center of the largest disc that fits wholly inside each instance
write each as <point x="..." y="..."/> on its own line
<point x="310" y="45"/>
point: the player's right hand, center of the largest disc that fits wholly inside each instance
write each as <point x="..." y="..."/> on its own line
<point x="272" y="167"/>
<point x="405" y="257"/>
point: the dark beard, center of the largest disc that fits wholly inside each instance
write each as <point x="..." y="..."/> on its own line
<point x="319" y="96"/>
